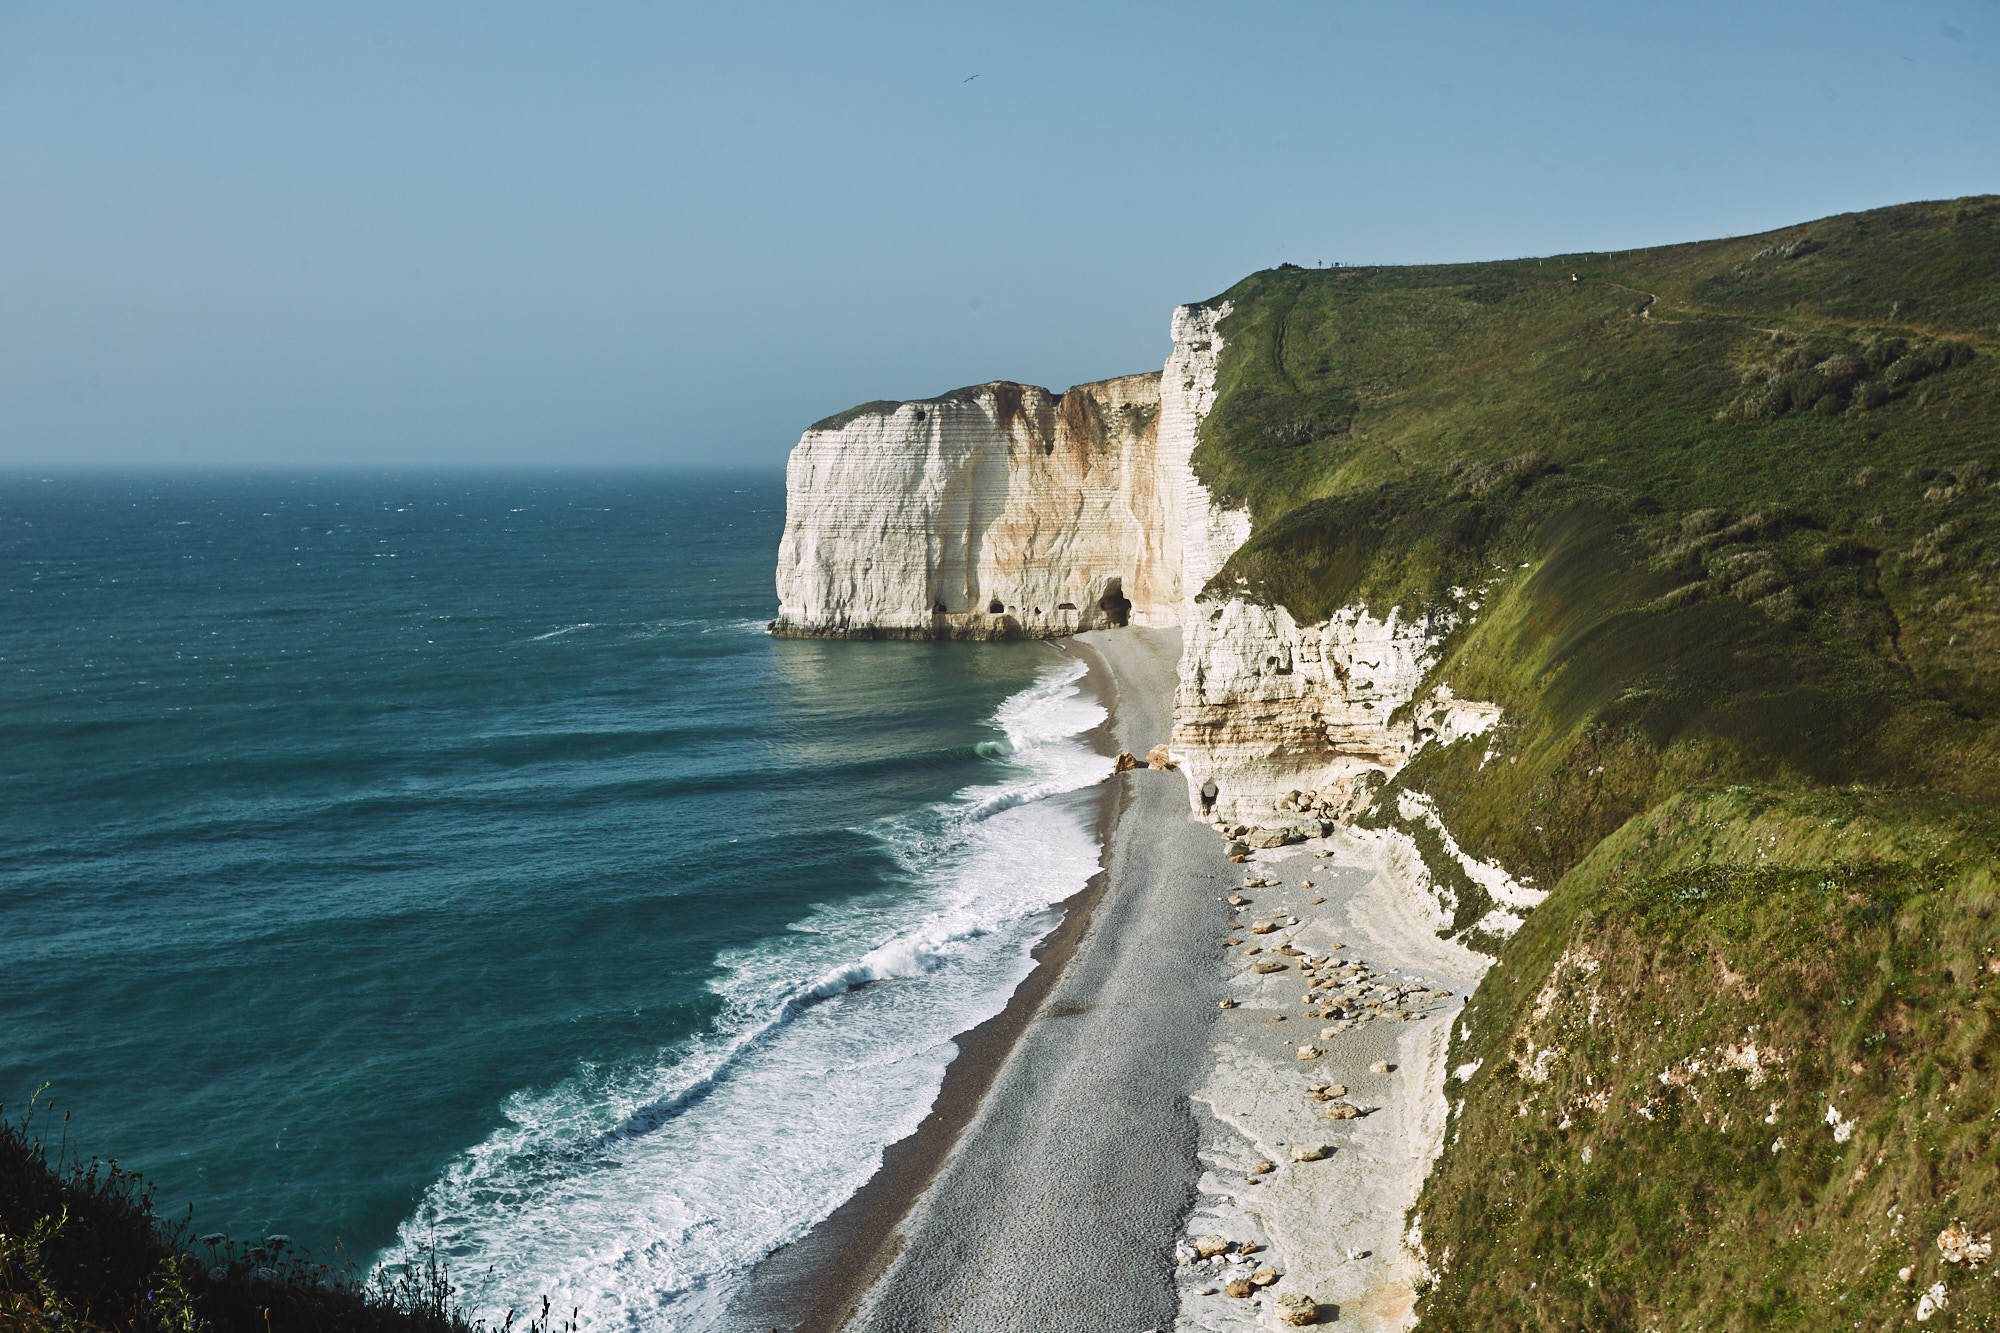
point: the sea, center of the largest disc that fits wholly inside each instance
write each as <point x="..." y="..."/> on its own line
<point x="452" y="865"/>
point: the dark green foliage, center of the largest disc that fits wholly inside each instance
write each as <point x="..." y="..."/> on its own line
<point x="81" y="1249"/>
<point x="879" y="407"/>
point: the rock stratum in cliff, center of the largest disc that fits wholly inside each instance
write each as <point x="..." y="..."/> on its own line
<point x="1646" y="601"/>
<point x="996" y="511"/>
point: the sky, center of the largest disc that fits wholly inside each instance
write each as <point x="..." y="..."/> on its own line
<point x="654" y="235"/>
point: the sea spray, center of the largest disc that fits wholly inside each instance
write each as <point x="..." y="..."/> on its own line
<point x="641" y="1195"/>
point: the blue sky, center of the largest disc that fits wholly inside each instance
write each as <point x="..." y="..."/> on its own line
<point x="538" y="235"/>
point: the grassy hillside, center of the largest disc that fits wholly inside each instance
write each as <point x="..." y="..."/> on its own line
<point x="1731" y="513"/>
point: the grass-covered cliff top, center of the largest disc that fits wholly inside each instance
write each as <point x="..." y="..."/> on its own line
<point x="1724" y="519"/>
<point x="1740" y="490"/>
<point x="1005" y="390"/>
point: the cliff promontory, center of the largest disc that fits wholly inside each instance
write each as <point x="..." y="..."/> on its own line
<point x="996" y="511"/>
<point x="1649" y="602"/>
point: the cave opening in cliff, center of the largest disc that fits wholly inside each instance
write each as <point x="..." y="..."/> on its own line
<point x="994" y="607"/>
<point x="1117" y="607"/>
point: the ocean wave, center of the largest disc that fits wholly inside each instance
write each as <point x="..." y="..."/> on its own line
<point x="641" y="1195"/>
<point x="655" y="629"/>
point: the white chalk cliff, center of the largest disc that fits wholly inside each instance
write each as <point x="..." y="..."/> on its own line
<point x="998" y="511"/>
<point x="1004" y="510"/>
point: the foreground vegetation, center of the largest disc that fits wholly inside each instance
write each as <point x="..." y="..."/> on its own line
<point x="82" y="1249"/>
<point x="1730" y="516"/>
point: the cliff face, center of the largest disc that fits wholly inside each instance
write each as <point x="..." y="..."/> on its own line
<point x="1267" y="707"/>
<point x="1199" y="533"/>
<point x="1005" y="511"/>
<point x="998" y="511"/>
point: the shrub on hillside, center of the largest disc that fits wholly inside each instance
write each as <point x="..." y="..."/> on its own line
<point x="81" y="1248"/>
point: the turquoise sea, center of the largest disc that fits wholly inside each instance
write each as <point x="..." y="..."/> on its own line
<point x="454" y="860"/>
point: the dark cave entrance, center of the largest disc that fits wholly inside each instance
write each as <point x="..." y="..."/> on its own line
<point x="1117" y="607"/>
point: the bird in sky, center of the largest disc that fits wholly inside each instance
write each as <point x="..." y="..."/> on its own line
<point x="969" y="78"/>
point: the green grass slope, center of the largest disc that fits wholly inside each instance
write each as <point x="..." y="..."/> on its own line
<point x="1731" y="513"/>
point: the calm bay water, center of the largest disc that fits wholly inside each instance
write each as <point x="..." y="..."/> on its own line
<point x="393" y="860"/>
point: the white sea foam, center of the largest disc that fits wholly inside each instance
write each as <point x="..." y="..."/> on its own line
<point x="641" y="1198"/>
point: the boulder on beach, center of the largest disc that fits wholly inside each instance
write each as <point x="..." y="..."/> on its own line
<point x="1207" y="1247"/>
<point x="1157" y="757"/>
<point x="1125" y="763"/>
<point x="1297" y="1310"/>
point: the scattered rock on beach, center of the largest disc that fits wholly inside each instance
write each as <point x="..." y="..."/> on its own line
<point x="1381" y="1067"/>
<point x="1225" y="1004"/>
<point x="1264" y="1277"/>
<point x="1157" y="757"/>
<point x="1309" y="1152"/>
<point x="1341" y="1111"/>
<point x="1310" y="1052"/>
<point x="1237" y="900"/>
<point x="1239" y="1287"/>
<point x="1236" y="849"/>
<point x="1207" y="1247"/>
<point x="1270" y="965"/>
<point x="1125" y="763"/>
<point x="1263" y="1168"/>
<point x="1297" y="1310"/>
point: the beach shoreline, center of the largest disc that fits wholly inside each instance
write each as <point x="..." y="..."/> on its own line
<point x="1113" y="1119"/>
<point x="825" y="1279"/>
